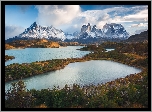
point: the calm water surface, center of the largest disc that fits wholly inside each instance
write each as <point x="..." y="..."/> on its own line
<point x="29" y="55"/>
<point x="82" y="73"/>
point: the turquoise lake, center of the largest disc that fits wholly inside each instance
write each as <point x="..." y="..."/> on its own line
<point x="29" y="55"/>
<point x="82" y="73"/>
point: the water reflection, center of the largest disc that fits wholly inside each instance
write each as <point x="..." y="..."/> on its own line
<point x="82" y="73"/>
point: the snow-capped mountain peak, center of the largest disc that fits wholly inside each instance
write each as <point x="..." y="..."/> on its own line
<point x="88" y="33"/>
<point x="114" y="30"/>
<point x="38" y="31"/>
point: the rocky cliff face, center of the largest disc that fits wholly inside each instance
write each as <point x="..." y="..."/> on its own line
<point x="114" y="30"/>
<point x="86" y="28"/>
<point x="110" y="31"/>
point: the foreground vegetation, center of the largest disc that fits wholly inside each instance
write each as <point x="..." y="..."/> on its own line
<point x="128" y="92"/>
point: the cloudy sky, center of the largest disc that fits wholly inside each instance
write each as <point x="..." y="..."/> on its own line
<point x="70" y="18"/>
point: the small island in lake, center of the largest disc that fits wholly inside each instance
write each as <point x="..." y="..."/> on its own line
<point x="9" y="57"/>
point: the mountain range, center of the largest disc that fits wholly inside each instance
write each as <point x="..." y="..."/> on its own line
<point x="110" y="32"/>
<point x="88" y="33"/>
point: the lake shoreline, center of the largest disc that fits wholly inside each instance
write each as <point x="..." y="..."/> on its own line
<point x="61" y="66"/>
<point x="40" y="67"/>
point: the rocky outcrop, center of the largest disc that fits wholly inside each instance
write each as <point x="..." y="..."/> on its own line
<point x="54" y="45"/>
<point x="9" y="57"/>
<point x="7" y="46"/>
<point x="88" y="27"/>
